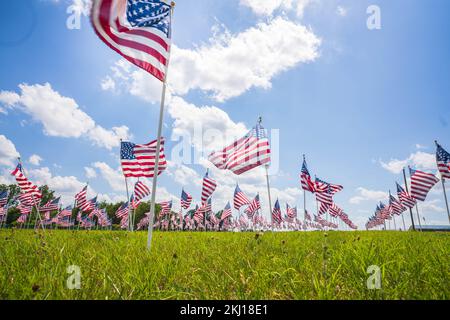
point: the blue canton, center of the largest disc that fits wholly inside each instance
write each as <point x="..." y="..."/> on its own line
<point x="149" y="13"/>
<point x="126" y="151"/>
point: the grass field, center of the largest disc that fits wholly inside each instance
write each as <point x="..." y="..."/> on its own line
<point x="305" y="265"/>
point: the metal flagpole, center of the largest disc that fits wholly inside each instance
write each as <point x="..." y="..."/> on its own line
<point x="445" y="196"/>
<point x="410" y="210"/>
<point x="158" y="144"/>
<point x="403" y="219"/>
<point x="268" y="192"/>
<point x="445" y="192"/>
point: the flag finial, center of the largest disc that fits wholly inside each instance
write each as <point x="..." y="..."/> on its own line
<point x="259" y="120"/>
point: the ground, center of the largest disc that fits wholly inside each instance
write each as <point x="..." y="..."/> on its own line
<point x="203" y="265"/>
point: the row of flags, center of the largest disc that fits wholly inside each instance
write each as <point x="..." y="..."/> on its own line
<point x="421" y="183"/>
<point x="324" y="192"/>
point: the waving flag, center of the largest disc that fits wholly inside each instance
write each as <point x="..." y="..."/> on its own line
<point x="405" y="198"/>
<point x="66" y="212"/>
<point x="249" y="152"/>
<point x="166" y="208"/>
<point x="276" y="213"/>
<point x="140" y="192"/>
<point x="254" y="206"/>
<point x="325" y="196"/>
<point x="240" y="199"/>
<point x="307" y="216"/>
<point x="443" y="161"/>
<point x="140" y="31"/>
<point x="122" y="211"/>
<point x="209" y="185"/>
<point x="324" y="207"/>
<point x="89" y="205"/>
<point x="291" y="212"/>
<point x="186" y="199"/>
<point x="138" y="160"/>
<point x="421" y="183"/>
<point x="226" y="212"/>
<point x="335" y="211"/>
<point x="51" y="205"/>
<point x="25" y="185"/>
<point x="3" y="198"/>
<point x="305" y="177"/>
<point x="80" y="198"/>
<point x="322" y="186"/>
<point x="395" y="205"/>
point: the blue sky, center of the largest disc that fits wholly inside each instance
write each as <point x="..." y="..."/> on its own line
<point x="359" y="103"/>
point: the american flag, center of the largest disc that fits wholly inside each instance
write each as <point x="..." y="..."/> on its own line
<point x="25" y="185"/>
<point x="209" y="185"/>
<point x="51" y="205"/>
<point x="335" y="211"/>
<point x="395" y="206"/>
<point x="22" y="218"/>
<point x="66" y="212"/>
<point x="226" y="212"/>
<point x="250" y="151"/>
<point x="80" y="198"/>
<point x="291" y="212"/>
<point x="305" y="177"/>
<point x="138" y="160"/>
<point x="324" y="195"/>
<point x="384" y="212"/>
<point x="307" y="216"/>
<point x="89" y="205"/>
<point x="139" y="30"/>
<point x="405" y="198"/>
<point x="122" y="211"/>
<point x="202" y="211"/>
<point x="276" y="213"/>
<point x="443" y="161"/>
<point x="140" y="192"/>
<point x="3" y="198"/>
<point x="186" y="199"/>
<point x="324" y="208"/>
<point x="166" y="207"/>
<point x="322" y="186"/>
<point x="421" y="183"/>
<point x="24" y="209"/>
<point x="254" y="206"/>
<point x="240" y="199"/>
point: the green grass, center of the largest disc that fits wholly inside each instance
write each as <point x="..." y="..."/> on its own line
<point x="182" y="265"/>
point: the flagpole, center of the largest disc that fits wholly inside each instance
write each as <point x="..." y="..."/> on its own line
<point x="403" y="219"/>
<point x="410" y="210"/>
<point x="268" y="193"/>
<point x="446" y="200"/>
<point x="443" y="188"/>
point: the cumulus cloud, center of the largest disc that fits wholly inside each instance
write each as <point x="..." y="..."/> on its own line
<point x="8" y="152"/>
<point x="114" y="177"/>
<point x="35" y="159"/>
<point x="364" y="194"/>
<point x="90" y="173"/>
<point x="341" y="11"/>
<point x="229" y="64"/>
<point x="66" y="186"/>
<point x="61" y="116"/>
<point x="419" y="160"/>
<point x="268" y="7"/>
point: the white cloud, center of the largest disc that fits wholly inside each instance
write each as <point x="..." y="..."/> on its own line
<point x="61" y="116"/>
<point x="268" y="7"/>
<point x="431" y="206"/>
<point x="8" y="152"/>
<point x="108" y="84"/>
<point x="114" y="177"/>
<point x="90" y="172"/>
<point x="208" y="127"/>
<point x="35" y="159"/>
<point x="66" y="186"/>
<point x="341" y="11"/>
<point x="420" y="160"/>
<point x="368" y="195"/>
<point x="183" y="174"/>
<point x="227" y="65"/>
